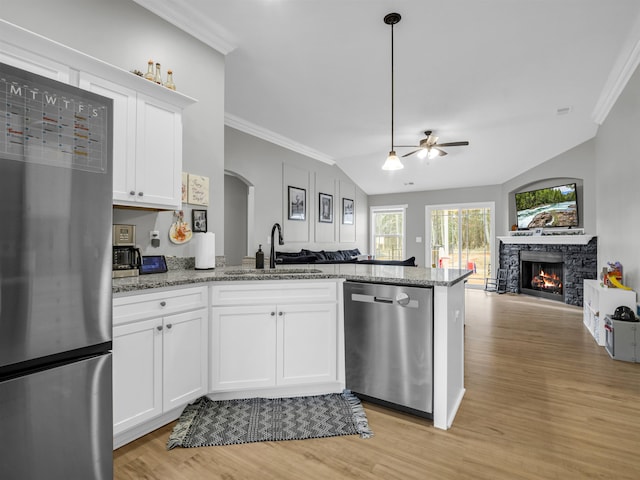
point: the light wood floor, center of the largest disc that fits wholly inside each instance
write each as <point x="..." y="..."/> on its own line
<point x="543" y="401"/>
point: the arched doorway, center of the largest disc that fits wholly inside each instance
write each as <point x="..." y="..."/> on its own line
<point x="238" y="218"/>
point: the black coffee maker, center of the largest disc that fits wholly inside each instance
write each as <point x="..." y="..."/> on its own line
<point x="126" y="256"/>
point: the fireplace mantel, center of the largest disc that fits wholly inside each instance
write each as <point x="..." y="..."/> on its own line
<point x="582" y="239"/>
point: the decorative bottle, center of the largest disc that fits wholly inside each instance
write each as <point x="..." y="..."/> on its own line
<point x="169" y="83"/>
<point x="150" y="75"/>
<point x="260" y="257"/>
<point x="158" y="76"/>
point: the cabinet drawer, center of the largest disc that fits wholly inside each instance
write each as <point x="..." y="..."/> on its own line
<point x="157" y="304"/>
<point x="277" y="291"/>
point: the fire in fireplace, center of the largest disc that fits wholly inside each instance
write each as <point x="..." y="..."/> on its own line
<point x="550" y="282"/>
<point x="541" y="274"/>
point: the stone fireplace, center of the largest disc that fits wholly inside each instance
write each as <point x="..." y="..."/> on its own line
<point x="547" y="267"/>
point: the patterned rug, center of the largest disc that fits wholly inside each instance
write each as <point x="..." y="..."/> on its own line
<point x="206" y="422"/>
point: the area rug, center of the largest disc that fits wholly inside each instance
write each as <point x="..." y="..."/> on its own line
<point x="226" y="422"/>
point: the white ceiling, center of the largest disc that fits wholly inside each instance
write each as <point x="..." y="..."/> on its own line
<point x="315" y="76"/>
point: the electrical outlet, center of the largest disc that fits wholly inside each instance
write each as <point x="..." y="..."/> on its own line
<point x="154" y="236"/>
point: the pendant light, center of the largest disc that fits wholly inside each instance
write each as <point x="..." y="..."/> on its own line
<point x="392" y="162"/>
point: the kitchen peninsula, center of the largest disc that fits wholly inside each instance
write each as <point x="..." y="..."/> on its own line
<point x="220" y="304"/>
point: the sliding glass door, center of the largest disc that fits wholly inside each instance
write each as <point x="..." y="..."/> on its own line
<point x="462" y="236"/>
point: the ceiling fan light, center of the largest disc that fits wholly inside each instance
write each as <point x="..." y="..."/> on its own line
<point x="422" y="153"/>
<point x="433" y="153"/>
<point x="392" y="162"/>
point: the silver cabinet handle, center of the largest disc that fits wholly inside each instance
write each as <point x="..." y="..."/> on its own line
<point x="159" y="327"/>
<point x="163" y="303"/>
<point x="132" y="192"/>
<point x="273" y="313"/>
<point x="280" y="313"/>
<point x="140" y="194"/>
<point x="168" y="325"/>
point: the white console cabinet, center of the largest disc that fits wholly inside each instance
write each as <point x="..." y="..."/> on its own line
<point x="160" y="358"/>
<point x="276" y="338"/>
<point x="600" y="301"/>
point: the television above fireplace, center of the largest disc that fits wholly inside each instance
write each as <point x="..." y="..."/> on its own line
<point x="551" y="207"/>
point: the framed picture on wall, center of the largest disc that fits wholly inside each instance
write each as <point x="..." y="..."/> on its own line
<point x="347" y="211"/>
<point x="199" y="221"/>
<point x="297" y="203"/>
<point x="325" y="205"/>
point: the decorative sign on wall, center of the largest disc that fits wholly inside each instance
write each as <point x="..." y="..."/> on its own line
<point x="185" y="186"/>
<point x="198" y="190"/>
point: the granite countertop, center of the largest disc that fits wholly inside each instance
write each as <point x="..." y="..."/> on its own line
<point x="408" y="276"/>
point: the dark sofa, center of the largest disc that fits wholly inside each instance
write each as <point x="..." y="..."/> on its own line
<point x="335" y="256"/>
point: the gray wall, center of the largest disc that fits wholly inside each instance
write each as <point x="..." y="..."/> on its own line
<point x="235" y="219"/>
<point x="270" y="169"/>
<point x="576" y="165"/>
<point x="417" y="201"/>
<point x="618" y="173"/>
<point x="125" y="35"/>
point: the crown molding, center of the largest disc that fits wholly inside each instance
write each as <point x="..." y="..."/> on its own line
<point x="623" y="69"/>
<point x="260" y="132"/>
<point x="186" y="18"/>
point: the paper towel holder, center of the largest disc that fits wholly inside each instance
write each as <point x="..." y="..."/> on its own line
<point x="205" y="251"/>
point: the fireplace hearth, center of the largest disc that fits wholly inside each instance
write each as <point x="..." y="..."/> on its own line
<point x="542" y="274"/>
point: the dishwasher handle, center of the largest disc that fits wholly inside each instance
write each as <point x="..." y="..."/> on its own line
<point x="382" y="300"/>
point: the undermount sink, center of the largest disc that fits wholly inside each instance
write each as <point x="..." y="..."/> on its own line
<point x="279" y="271"/>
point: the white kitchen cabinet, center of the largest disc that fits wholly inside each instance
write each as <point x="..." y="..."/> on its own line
<point x="137" y="374"/>
<point x="147" y="146"/>
<point x="286" y="346"/>
<point x="147" y="127"/>
<point x="307" y="335"/>
<point x="243" y="347"/>
<point x="599" y="301"/>
<point x="185" y="358"/>
<point x="160" y="358"/>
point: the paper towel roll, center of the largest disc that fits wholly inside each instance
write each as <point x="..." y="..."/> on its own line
<point x="205" y="251"/>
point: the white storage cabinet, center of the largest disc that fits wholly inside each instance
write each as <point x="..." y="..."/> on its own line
<point x="160" y="358"/>
<point x="276" y="338"/>
<point x="599" y="301"/>
<point x="147" y="146"/>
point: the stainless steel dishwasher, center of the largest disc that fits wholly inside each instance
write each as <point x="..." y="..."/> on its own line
<point x="389" y="345"/>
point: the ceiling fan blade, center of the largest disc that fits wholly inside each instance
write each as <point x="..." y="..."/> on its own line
<point x="407" y="146"/>
<point x="411" y="153"/>
<point x="451" y="144"/>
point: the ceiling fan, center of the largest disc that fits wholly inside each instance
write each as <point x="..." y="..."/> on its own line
<point x="430" y="147"/>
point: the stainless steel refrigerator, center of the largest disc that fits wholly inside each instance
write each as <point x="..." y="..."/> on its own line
<point x="55" y="280"/>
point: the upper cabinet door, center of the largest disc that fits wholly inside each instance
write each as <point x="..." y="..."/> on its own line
<point x="158" y="153"/>
<point x="124" y="133"/>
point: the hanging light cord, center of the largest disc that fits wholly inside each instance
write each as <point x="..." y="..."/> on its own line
<point x="392" y="87"/>
<point x="392" y="19"/>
